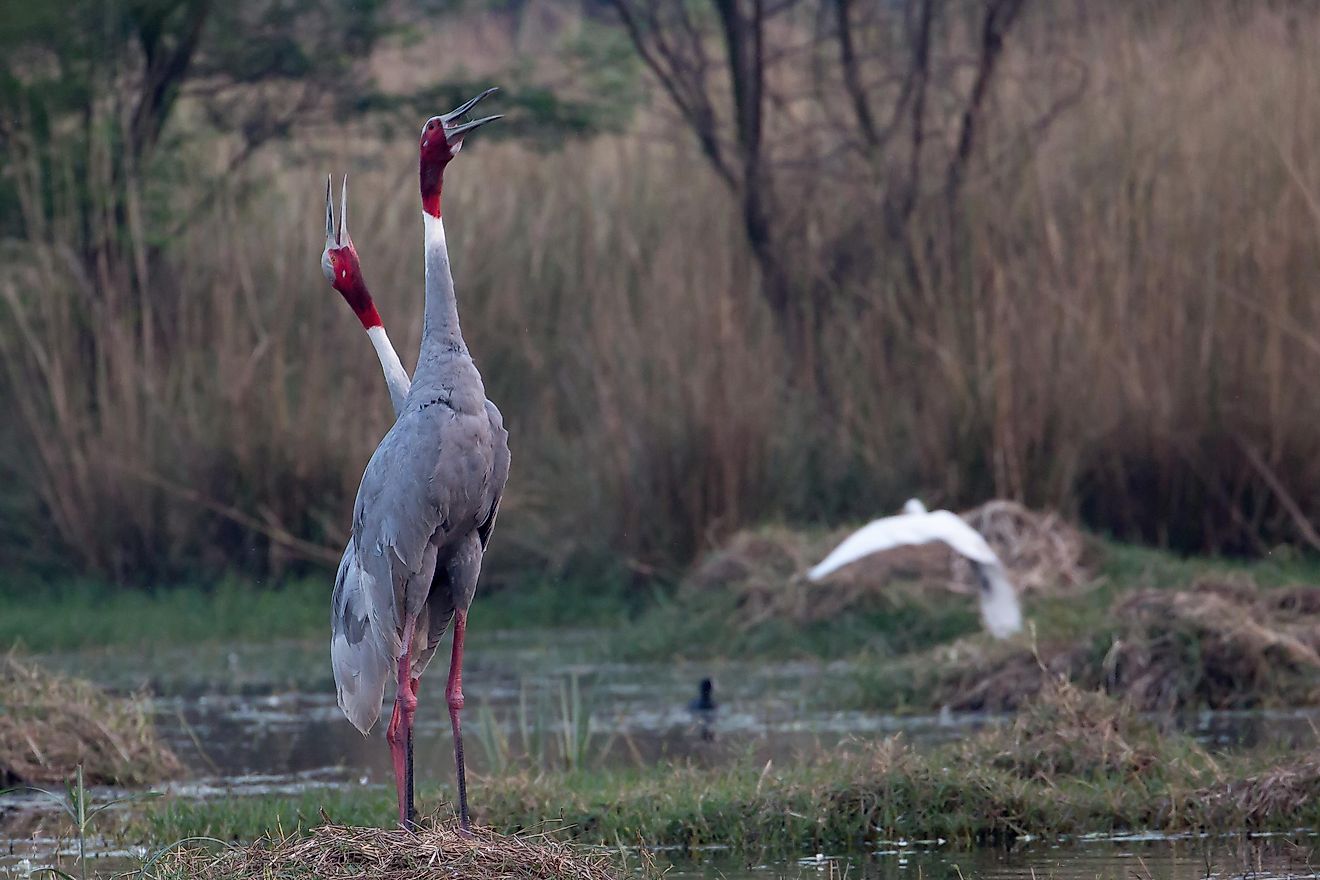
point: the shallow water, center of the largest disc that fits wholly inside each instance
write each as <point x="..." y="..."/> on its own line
<point x="257" y="718"/>
<point x="263" y="719"/>
<point x="1132" y="858"/>
<point x="1122" y="857"/>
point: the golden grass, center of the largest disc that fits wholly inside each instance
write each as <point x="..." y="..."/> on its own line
<point x="333" y="851"/>
<point x="50" y="724"/>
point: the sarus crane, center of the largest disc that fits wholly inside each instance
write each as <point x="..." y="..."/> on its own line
<point x="427" y="504"/>
<point x="361" y="667"/>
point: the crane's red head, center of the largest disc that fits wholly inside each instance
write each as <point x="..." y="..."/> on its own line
<point x="339" y="261"/>
<point x="442" y="138"/>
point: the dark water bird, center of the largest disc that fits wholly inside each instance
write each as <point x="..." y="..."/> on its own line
<point x="703" y="709"/>
<point x="426" y="506"/>
<point x="1000" y="610"/>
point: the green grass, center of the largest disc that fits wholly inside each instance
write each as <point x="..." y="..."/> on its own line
<point x="643" y="624"/>
<point x="703" y="625"/>
<point x="66" y="615"/>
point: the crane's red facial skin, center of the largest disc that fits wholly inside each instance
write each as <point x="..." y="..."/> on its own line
<point x="343" y="262"/>
<point x="435" y="153"/>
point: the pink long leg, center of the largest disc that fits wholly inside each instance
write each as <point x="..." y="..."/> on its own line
<point x="454" y="696"/>
<point x="399" y="733"/>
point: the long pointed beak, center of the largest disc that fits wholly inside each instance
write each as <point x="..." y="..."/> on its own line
<point x="336" y="235"/>
<point x="465" y="107"/>
<point x="329" y="216"/>
<point x="343" y="237"/>
<point x="457" y="133"/>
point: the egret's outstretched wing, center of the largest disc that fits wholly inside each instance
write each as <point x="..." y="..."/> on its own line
<point x="999" y="602"/>
<point x="905" y="530"/>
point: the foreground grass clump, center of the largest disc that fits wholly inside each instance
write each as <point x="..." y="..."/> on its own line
<point x="345" y="851"/>
<point x="1074" y="762"/>
<point x="49" y="725"/>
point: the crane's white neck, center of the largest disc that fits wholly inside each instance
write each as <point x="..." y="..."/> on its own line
<point x="442" y="338"/>
<point x="396" y="377"/>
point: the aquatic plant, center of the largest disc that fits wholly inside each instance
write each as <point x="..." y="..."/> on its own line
<point x="75" y="804"/>
<point x="551" y="735"/>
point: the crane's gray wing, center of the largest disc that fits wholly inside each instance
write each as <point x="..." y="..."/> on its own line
<point x="499" y="473"/>
<point x="359" y="642"/>
<point x="427" y="485"/>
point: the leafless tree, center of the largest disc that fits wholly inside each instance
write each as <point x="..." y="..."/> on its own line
<point x="792" y="99"/>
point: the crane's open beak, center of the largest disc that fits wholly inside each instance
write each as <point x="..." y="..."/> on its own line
<point x="336" y="236"/>
<point x="455" y="133"/>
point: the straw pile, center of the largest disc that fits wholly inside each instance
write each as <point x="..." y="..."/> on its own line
<point x="49" y="725"/>
<point x="1221" y="643"/>
<point x="765" y="568"/>
<point x="335" y="851"/>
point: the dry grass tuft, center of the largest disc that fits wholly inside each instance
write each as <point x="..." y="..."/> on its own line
<point x="1216" y="644"/>
<point x="1221" y="643"/>
<point x="331" y="851"/>
<point x="764" y="567"/>
<point x="1068" y="731"/>
<point x="1257" y="800"/>
<point x="50" y="724"/>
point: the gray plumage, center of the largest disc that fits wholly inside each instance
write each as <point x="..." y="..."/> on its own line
<point x="431" y="491"/>
<point x="425" y="508"/>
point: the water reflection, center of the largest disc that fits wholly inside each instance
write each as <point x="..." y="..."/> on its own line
<point x="1139" y="858"/>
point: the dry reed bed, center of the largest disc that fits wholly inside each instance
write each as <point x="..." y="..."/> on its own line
<point x="1128" y="332"/>
<point x="335" y="851"/>
<point x="50" y="724"/>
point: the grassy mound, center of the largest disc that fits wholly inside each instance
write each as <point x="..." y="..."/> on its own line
<point x="764" y="568"/>
<point x="751" y="595"/>
<point x="49" y="725"/>
<point x="1220" y="643"/>
<point x="1069" y="732"/>
<point x="442" y="851"/>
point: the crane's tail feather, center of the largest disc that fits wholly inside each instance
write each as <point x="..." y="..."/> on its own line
<point x="1000" y="610"/>
<point x="361" y="662"/>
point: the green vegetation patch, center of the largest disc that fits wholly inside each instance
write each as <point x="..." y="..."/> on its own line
<point x="1073" y="762"/>
<point x="49" y="725"/>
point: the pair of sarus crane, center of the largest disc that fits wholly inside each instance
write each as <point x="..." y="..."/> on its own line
<point x="427" y="503"/>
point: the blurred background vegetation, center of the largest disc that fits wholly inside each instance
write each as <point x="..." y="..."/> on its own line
<point x="725" y="262"/>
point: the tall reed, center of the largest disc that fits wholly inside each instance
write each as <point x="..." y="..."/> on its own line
<point x="1123" y="324"/>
